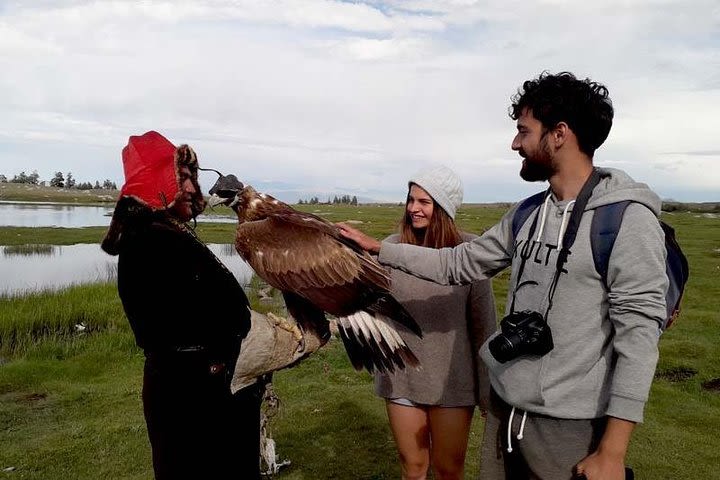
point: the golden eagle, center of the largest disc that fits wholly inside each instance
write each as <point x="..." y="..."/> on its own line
<point x="319" y="271"/>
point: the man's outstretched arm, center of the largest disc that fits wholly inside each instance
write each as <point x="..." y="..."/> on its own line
<point x="481" y="258"/>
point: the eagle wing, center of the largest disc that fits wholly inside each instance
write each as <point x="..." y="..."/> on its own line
<point x="295" y="255"/>
<point x="304" y="257"/>
<point x="372" y="270"/>
<point x="303" y="218"/>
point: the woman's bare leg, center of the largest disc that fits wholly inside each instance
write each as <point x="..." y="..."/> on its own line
<point x="449" y="430"/>
<point x="409" y="426"/>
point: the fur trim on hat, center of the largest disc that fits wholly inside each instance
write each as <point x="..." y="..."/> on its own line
<point x="186" y="157"/>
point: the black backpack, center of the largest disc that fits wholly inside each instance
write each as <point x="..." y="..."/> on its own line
<point x="603" y="232"/>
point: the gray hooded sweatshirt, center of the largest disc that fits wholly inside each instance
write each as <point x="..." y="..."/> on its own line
<point x="605" y="339"/>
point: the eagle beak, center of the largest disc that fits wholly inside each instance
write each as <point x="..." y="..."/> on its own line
<point x="226" y="191"/>
<point x="216" y="200"/>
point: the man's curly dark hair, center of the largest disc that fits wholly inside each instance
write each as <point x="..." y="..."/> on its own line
<point x="583" y="104"/>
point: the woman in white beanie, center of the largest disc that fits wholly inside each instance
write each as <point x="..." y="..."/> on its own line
<point x="430" y="410"/>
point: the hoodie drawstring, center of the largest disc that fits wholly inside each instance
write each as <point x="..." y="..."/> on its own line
<point x="519" y="436"/>
<point x="543" y="216"/>
<point x="522" y="426"/>
<point x="563" y="224"/>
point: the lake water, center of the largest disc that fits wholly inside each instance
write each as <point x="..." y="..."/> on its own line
<point x="33" y="214"/>
<point x="29" y="268"/>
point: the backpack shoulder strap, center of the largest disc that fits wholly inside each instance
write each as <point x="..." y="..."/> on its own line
<point x="523" y="211"/>
<point x="678" y="272"/>
<point x="603" y="232"/>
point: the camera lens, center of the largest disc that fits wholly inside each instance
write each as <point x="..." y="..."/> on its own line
<point x="502" y="349"/>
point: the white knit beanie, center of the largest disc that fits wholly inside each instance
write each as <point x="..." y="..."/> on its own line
<point x="443" y="185"/>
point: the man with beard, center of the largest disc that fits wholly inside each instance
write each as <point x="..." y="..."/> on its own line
<point x="572" y="364"/>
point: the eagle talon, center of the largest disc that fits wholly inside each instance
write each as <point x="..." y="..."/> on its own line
<point x="291" y="327"/>
<point x="300" y="339"/>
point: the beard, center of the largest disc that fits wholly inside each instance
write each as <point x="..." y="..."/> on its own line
<point x="537" y="166"/>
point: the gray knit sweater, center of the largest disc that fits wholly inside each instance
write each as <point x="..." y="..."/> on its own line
<point x="455" y="321"/>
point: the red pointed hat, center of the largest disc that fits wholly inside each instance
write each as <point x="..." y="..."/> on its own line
<point x="151" y="164"/>
<point x="150" y="170"/>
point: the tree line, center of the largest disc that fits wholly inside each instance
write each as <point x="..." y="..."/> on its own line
<point x="59" y="180"/>
<point x="342" y="200"/>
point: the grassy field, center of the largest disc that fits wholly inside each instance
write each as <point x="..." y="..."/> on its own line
<point x="70" y="378"/>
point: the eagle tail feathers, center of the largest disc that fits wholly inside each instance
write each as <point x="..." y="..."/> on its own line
<point x="372" y="342"/>
<point x="354" y="350"/>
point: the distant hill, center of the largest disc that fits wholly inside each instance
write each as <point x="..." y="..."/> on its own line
<point x="25" y="192"/>
<point x="703" y="207"/>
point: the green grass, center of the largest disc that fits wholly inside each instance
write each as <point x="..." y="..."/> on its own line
<point x="53" y="318"/>
<point x="71" y="409"/>
<point x="70" y="401"/>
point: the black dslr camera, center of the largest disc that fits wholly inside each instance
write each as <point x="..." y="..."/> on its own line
<point x="523" y="333"/>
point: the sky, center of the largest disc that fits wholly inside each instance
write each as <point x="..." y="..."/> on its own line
<point x="323" y="97"/>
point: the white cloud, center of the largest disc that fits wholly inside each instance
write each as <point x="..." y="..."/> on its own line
<point x="398" y="49"/>
<point x="351" y="95"/>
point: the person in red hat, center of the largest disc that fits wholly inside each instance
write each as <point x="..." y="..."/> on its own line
<point x="189" y="315"/>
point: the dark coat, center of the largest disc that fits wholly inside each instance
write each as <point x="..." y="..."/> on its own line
<point x="176" y="293"/>
<point x="178" y="296"/>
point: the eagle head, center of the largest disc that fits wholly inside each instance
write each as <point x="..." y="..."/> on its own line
<point x="226" y="191"/>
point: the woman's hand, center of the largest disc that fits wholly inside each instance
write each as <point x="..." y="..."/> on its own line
<point x="366" y="242"/>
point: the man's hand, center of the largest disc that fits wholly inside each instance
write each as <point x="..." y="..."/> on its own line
<point x="608" y="461"/>
<point x="365" y="242"/>
<point x="599" y="466"/>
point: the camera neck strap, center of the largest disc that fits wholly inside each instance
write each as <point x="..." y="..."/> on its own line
<point x="568" y="238"/>
<point x="571" y="232"/>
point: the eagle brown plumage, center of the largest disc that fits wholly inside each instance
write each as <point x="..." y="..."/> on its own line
<point x="319" y="271"/>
